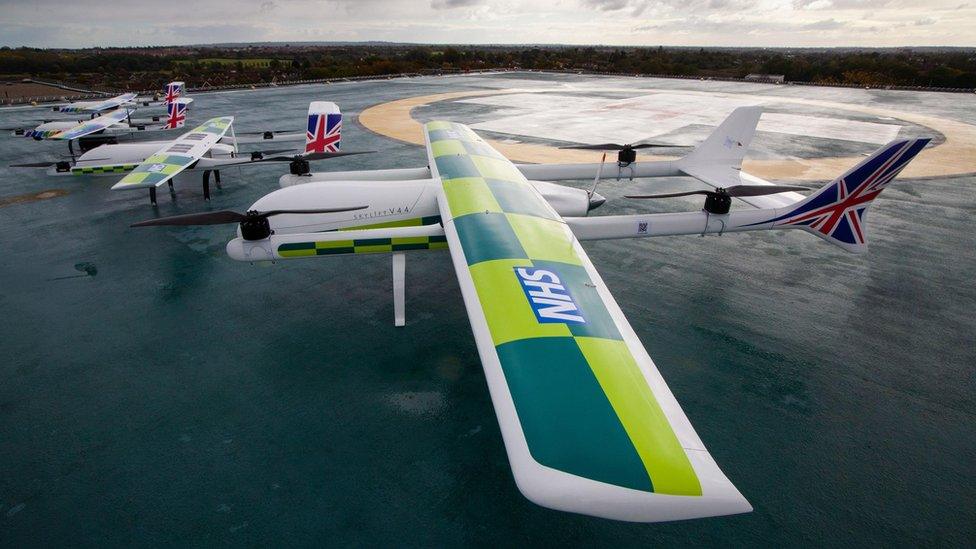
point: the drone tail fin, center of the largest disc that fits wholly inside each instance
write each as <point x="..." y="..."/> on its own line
<point x="176" y="114"/>
<point x="727" y="145"/>
<point x="836" y="212"/>
<point x="173" y="91"/>
<point x="324" y="131"/>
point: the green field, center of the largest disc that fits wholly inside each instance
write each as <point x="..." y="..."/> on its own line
<point x="255" y="63"/>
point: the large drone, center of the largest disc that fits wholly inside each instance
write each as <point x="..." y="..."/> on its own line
<point x="588" y="422"/>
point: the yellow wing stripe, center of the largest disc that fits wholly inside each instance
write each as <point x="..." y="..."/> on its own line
<point x="641" y="415"/>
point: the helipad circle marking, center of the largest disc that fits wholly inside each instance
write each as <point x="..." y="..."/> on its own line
<point x="955" y="156"/>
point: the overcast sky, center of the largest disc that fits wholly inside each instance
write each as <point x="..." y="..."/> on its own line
<point x="83" y="23"/>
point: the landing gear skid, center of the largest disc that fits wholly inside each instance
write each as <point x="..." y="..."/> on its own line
<point x="206" y="182"/>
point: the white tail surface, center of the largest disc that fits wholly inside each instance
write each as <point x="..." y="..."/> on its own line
<point x="727" y="145"/>
<point x="324" y="131"/>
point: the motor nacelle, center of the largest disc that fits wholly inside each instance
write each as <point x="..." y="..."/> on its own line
<point x="299" y="167"/>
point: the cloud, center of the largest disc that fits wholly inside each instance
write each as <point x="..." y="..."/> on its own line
<point x="688" y="6"/>
<point x="852" y="4"/>
<point x="451" y="4"/>
<point x="813" y="5"/>
<point x="824" y="24"/>
<point x="606" y="5"/>
<point x="742" y="23"/>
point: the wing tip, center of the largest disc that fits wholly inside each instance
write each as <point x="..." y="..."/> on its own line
<point x="587" y="497"/>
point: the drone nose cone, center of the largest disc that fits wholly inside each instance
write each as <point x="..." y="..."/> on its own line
<point x="596" y="200"/>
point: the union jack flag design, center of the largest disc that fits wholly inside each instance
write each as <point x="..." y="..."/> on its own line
<point x="837" y="210"/>
<point x="177" y="115"/>
<point x="173" y="92"/>
<point x="324" y="133"/>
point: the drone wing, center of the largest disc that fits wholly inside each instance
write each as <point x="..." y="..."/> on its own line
<point x="91" y="126"/>
<point x="176" y="156"/>
<point x="99" y="106"/>
<point x="588" y="422"/>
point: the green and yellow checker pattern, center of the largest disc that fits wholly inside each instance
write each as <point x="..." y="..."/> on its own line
<point x="362" y="246"/>
<point x="214" y="125"/>
<point x="582" y="401"/>
<point x="155" y="170"/>
<point x="116" y="168"/>
<point x="162" y="166"/>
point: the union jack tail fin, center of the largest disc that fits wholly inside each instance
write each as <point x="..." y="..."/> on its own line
<point x="836" y="212"/>
<point x="173" y="91"/>
<point x="176" y="114"/>
<point x="728" y="142"/>
<point x="324" y="131"/>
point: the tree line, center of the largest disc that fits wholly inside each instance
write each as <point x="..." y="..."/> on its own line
<point x="146" y="68"/>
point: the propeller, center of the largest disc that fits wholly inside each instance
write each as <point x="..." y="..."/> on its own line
<point x="258" y="155"/>
<point x="268" y="131"/>
<point x="308" y="156"/>
<point x="299" y="162"/>
<point x="34" y="165"/>
<point x="619" y="147"/>
<point x="53" y="163"/>
<point x="254" y="224"/>
<point x="720" y="200"/>
<point x="626" y="155"/>
<point x="734" y="191"/>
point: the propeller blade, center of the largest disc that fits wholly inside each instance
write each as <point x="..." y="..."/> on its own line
<point x="267" y="131"/>
<point x="619" y="147"/>
<point x="229" y="216"/>
<point x="205" y="218"/>
<point x="260" y="155"/>
<point x="79" y="159"/>
<point x="274" y="151"/>
<point x="670" y="195"/>
<point x="34" y="165"/>
<point x="600" y="147"/>
<point x="54" y="163"/>
<point x="663" y="145"/>
<point x="311" y="156"/>
<point x="324" y="155"/>
<point x="760" y="190"/>
<point x="734" y="191"/>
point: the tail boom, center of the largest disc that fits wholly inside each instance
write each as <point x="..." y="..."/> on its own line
<point x="835" y="212"/>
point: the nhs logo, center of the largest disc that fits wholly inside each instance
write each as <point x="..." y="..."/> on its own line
<point x="549" y="298"/>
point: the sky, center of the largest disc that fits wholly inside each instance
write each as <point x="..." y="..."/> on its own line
<point x="782" y="23"/>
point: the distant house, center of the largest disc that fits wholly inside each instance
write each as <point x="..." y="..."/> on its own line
<point x="769" y="78"/>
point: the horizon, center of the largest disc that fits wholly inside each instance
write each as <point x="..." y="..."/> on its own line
<point x="328" y="43"/>
<point x="870" y="24"/>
